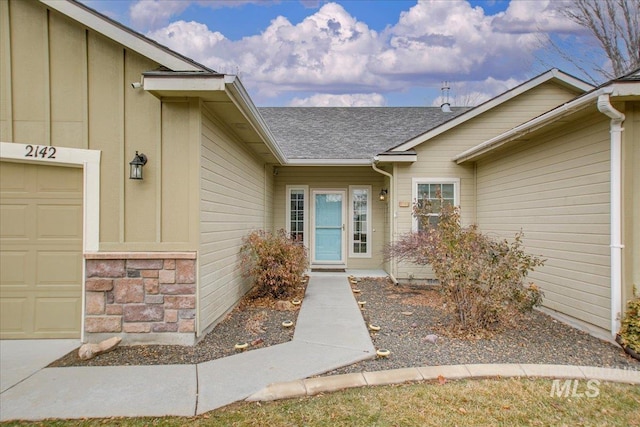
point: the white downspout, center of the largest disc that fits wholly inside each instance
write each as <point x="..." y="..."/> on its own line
<point x="605" y="107"/>
<point x="391" y="211"/>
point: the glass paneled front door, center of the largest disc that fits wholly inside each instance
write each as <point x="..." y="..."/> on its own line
<point x="329" y="226"/>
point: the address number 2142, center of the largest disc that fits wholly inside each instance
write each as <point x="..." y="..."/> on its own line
<point x="44" y="152"/>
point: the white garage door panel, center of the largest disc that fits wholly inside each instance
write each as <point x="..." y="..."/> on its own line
<point x="41" y="257"/>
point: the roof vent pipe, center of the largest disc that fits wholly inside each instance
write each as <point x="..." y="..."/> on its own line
<point x="445" y="106"/>
<point x="605" y="107"/>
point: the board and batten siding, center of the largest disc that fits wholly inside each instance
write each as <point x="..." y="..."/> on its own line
<point x="64" y="85"/>
<point x="555" y="188"/>
<point x="435" y="157"/>
<point x="233" y="202"/>
<point x="337" y="178"/>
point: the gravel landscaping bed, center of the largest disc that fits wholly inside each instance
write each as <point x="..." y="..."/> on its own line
<point x="257" y="322"/>
<point x="408" y="316"/>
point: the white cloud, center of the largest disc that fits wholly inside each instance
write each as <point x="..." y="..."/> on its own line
<point x="532" y="16"/>
<point x="343" y="100"/>
<point x="151" y="14"/>
<point x="195" y="41"/>
<point x="452" y="39"/>
<point x="332" y="52"/>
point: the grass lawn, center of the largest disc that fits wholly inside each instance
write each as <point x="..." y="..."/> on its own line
<point x="495" y="402"/>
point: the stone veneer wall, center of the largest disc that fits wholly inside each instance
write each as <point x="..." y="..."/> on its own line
<point x="141" y="297"/>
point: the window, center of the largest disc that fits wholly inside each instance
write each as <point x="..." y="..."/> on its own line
<point x="360" y="212"/>
<point x="296" y="213"/>
<point x="435" y="191"/>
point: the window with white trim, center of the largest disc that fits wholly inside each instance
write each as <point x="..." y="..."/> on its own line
<point x="360" y="213"/>
<point x="437" y="192"/>
<point x="297" y="202"/>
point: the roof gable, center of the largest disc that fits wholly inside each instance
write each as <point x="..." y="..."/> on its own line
<point x="124" y="35"/>
<point x="554" y="74"/>
<point x="626" y="87"/>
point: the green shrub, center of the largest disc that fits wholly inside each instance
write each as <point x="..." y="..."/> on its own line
<point x="274" y="261"/>
<point x="630" y="326"/>
<point x="482" y="277"/>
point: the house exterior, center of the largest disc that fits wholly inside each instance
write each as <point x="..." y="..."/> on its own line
<point x="567" y="177"/>
<point x="570" y="179"/>
<point x="88" y="252"/>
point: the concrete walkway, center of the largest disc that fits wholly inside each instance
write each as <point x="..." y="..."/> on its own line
<point x="330" y="333"/>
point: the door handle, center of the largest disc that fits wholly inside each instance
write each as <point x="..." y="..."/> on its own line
<point x="342" y="227"/>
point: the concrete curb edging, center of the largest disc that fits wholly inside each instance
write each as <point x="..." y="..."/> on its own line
<point x="313" y="386"/>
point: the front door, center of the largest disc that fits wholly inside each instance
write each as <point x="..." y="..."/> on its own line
<point x="329" y="225"/>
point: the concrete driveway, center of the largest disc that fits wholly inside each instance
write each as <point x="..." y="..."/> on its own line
<point x="19" y="359"/>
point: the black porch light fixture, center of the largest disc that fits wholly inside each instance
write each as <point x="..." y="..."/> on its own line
<point x="135" y="166"/>
<point x="383" y="195"/>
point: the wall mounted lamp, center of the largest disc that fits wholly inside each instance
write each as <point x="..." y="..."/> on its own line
<point x="383" y="195"/>
<point x="138" y="85"/>
<point x="135" y="166"/>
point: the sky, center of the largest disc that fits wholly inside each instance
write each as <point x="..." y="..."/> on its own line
<point x="361" y="52"/>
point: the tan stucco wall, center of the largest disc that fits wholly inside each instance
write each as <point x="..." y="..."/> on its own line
<point x="337" y="178"/>
<point x="66" y="86"/>
<point x="435" y="156"/>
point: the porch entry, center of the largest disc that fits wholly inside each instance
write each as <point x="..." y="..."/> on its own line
<point x="329" y="221"/>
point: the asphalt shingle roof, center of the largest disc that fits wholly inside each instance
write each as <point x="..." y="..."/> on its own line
<point x="349" y="132"/>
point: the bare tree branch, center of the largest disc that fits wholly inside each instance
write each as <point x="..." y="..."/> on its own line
<point x="615" y="25"/>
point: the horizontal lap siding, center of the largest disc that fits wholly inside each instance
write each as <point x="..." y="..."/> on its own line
<point x="232" y="204"/>
<point x="556" y="189"/>
<point x="435" y="156"/>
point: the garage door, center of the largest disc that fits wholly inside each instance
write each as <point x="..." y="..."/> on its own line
<point x="41" y="251"/>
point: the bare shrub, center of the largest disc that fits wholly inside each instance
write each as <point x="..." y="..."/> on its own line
<point x="482" y="277"/>
<point x="274" y="261"/>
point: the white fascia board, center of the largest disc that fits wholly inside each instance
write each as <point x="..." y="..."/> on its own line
<point x="543" y="78"/>
<point x="328" y="162"/>
<point x="193" y="83"/>
<point x="126" y="38"/>
<point x="624" y="89"/>
<point x="240" y="97"/>
<point x="397" y="158"/>
<point x="531" y="125"/>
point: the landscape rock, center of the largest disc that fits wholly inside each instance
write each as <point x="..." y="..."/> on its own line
<point x="432" y="338"/>
<point x="284" y="306"/>
<point x="89" y="351"/>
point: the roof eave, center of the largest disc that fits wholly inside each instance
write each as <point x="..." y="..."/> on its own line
<point x="399" y="157"/>
<point x="243" y="101"/>
<point x="204" y="85"/>
<point x="328" y="162"/>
